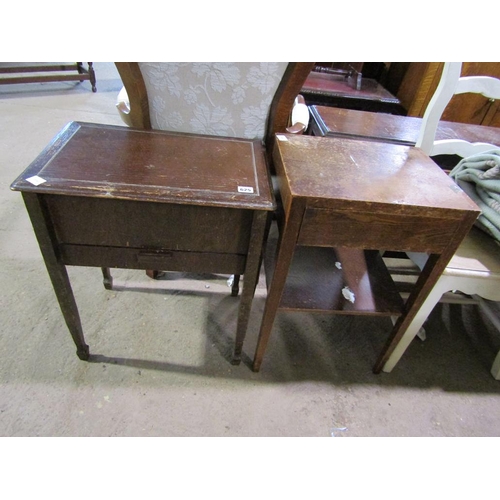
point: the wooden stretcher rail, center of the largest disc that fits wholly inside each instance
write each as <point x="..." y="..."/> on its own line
<point x="81" y="74"/>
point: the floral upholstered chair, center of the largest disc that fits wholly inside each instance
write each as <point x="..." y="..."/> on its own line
<point x="223" y="99"/>
<point x="250" y="100"/>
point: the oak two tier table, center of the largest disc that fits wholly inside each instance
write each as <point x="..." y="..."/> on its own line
<point x="344" y="202"/>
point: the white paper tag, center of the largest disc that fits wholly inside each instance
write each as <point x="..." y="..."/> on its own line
<point x="35" y="180"/>
<point x="245" y="189"/>
<point x="281" y="137"/>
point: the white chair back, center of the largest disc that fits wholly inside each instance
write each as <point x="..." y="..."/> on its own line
<point x="452" y="83"/>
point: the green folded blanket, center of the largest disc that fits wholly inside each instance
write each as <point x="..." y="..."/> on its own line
<point x="479" y="177"/>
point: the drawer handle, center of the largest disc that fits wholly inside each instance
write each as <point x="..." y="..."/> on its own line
<point x="154" y="256"/>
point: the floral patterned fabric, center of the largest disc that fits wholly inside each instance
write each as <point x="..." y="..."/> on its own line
<point x="225" y="99"/>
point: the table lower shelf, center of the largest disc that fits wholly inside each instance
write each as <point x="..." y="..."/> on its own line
<point x="337" y="281"/>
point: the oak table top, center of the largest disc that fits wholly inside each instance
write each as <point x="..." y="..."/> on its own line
<point x="106" y="161"/>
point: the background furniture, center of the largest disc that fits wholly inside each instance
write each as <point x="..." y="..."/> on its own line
<point x="107" y="196"/>
<point x="412" y="84"/>
<point x="420" y="80"/>
<point x="27" y="73"/>
<point x="343" y="200"/>
<point x="329" y="89"/>
<point x="382" y="127"/>
<point x="475" y="267"/>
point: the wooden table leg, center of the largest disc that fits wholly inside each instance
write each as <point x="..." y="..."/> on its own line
<point x="429" y="275"/>
<point x="286" y="249"/>
<point x="57" y="271"/>
<point x="92" y="77"/>
<point x="107" y="278"/>
<point x="434" y="267"/>
<point x="235" y="287"/>
<point x="250" y="279"/>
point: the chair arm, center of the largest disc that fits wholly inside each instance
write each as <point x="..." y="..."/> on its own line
<point x="299" y="120"/>
<point x="123" y="106"/>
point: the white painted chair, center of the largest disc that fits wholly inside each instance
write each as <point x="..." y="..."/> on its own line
<point x="475" y="268"/>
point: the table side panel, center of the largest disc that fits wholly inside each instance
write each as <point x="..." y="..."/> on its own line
<point x="282" y="184"/>
<point x="321" y="227"/>
<point x="137" y="224"/>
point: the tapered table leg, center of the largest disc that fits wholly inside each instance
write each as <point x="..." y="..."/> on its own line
<point x="250" y="279"/>
<point x="107" y="278"/>
<point x="57" y="271"/>
<point x="235" y="287"/>
<point x="286" y="249"/>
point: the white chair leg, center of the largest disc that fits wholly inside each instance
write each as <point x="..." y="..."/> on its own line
<point x="492" y="315"/>
<point x="420" y="334"/>
<point x="415" y="326"/>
